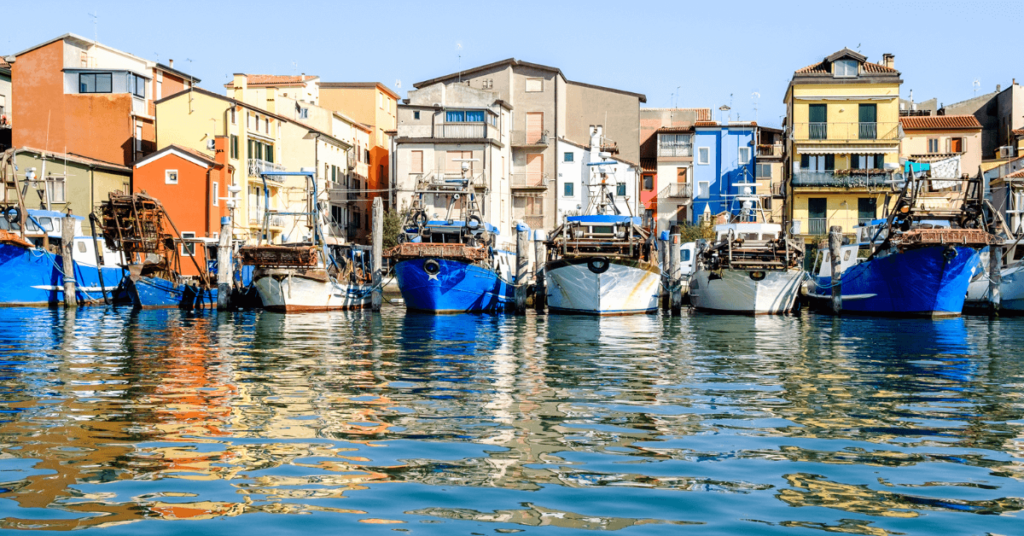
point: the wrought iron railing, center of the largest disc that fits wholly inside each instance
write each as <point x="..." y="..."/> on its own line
<point x="678" y="190"/>
<point x="817" y="226"/>
<point x="258" y="167"/>
<point x="522" y="138"/>
<point x="830" y="178"/>
<point x="530" y="180"/>
<point x="857" y="131"/>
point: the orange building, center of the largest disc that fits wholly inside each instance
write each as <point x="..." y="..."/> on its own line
<point x="76" y="96"/>
<point x="192" y="187"/>
<point x="376" y="106"/>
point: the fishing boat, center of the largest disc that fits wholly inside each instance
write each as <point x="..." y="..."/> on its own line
<point x="138" y="226"/>
<point x="1011" y="233"/>
<point x="31" y="265"/>
<point x="602" y="262"/>
<point x="749" y="268"/>
<point x="452" y="265"/>
<point x="917" y="261"/>
<point x="310" y="275"/>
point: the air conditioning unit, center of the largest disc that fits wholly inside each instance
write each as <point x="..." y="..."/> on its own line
<point x="211" y="144"/>
<point x="1006" y="151"/>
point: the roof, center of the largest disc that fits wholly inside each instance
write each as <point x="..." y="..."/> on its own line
<point x="667" y="130"/>
<point x="186" y="152"/>
<point x="1015" y="175"/>
<point x="823" y="66"/>
<point x="274" y="80"/>
<point x="517" y="63"/>
<point x="940" y="122"/>
<point x="78" y="159"/>
<point x="3" y="64"/>
<point x="1018" y="132"/>
<point x="172" y="70"/>
<point x="703" y="114"/>
<point x="648" y="164"/>
<point x="77" y="38"/>
<point x="377" y="85"/>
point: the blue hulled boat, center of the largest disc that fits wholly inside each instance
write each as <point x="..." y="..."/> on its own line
<point x="32" y="270"/>
<point x="452" y="265"/>
<point x="918" y="261"/>
<point x="135" y="225"/>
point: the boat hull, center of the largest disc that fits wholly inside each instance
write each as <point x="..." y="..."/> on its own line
<point x="917" y="282"/>
<point x="626" y="287"/>
<point x="33" y="276"/>
<point x="457" y="287"/>
<point x="735" y="291"/>
<point x="290" y="293"/>
<point x="1011" y="290"/>
<point x="159" y="293"/>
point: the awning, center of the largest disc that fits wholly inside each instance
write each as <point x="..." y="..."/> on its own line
<point x="845" y="149"/>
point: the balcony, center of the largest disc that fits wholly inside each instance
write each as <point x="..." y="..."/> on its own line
<point x="842" y="180"/>
<point x="275" y="221"/>
<point x="521" y="138"/>
<point x="466" y="131"/>
<point x="675" y="150"/>
<point x="258" y="167"/>
<point x="770" y="151"/>
<point x="847" y="132"/>
<point x="529" y="180"/>
<point x="678" y="190"/>
<point x="817" y="226"/>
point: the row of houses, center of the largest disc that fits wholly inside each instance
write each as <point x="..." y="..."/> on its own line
<point x="88" y="119"/>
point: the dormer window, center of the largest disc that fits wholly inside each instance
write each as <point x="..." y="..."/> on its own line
<point x="845" y="68"/>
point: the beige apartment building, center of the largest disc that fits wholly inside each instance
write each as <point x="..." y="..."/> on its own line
<point x="544" y="107"/>
<point x="931" y="138"/>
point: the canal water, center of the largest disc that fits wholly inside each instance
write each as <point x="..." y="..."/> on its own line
<point x="162" y="422"/>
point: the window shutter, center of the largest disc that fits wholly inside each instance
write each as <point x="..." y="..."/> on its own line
<point x="830" y="162"/>
<point x="805" y="161"/>
<point x="855" y="161"/>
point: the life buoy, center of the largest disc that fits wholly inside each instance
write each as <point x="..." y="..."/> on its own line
<point x="474" y="221"/>
<point x="13" y="215"/>
<point x="432" y="267"/>
<point x="419" y="218"/>
<point x="598" y="265"/>
<point x="949" y="253"/>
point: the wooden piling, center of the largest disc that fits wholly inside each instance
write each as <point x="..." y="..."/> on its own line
<point x="99" y="257"/>
<point x="377" y="237"/>
<point x="522" y="266"/>
<point x="995" y="279"/>
<point x="67" y="248"/>
<point x="224" y="264"/>
<point x="675" y="271"/>
<point x="540" y="255"/>
<point x="835" y="242"/>
<point x="666" y="299"/>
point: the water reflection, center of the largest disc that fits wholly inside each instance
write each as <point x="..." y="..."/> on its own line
<point x="372" y="421"/>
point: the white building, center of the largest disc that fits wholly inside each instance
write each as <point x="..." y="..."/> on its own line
<point x="577" y="181"/>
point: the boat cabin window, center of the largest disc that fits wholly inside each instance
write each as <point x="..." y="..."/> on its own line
<point x="47" y="224"/>
<point x="769" y="236"/>
<point x="601" y="229"/>
<point x="684" y="255"/>
<point x="748" y="236"/>
<point x="846" y="256"/>
<point x="81" y="246"/>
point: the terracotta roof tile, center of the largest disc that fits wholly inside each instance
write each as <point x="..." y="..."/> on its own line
<point x="276" y="80"/>
<point x="940" y="122"/>
<point x="4" y="64"/>
<point x="649" y="164"/>
<point x="706" y="124"/>
<point x="822" y="67"/>
<point x="1015" y="175"/>
<point x="818" y="68"/>
<point x="1019" y="132"/>
<point x="876" y="68"/>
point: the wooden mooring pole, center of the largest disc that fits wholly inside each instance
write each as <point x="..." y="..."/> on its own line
<point x="540" y="254"/>
<point x="675" y="271"/>
<point x="67" y="248"/>
<point x="377" y="230"/>
<point x="666" y="297"/>
<point x="224" y="264"/>
<point x="995" y="279"/>
<point x="835" y="242"/>
<point x="522" y="266"/>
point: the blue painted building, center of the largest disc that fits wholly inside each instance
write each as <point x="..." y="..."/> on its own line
<point x="723" y="159"/>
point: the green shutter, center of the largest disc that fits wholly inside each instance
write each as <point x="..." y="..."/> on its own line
<point x="830" y="162"/>
<point x="805" y="161"/>
<point x="868" y="113"/>
<point x="818" y="113"/>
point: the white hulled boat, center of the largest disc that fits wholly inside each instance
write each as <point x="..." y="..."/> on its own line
<point x="603" y="262"/>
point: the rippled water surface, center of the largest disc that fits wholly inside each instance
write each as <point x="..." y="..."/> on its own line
<point x="170" y="422"/>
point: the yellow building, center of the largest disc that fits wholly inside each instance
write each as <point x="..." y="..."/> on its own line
<point x="257" y="140"/>
<point x="843" y="142"/>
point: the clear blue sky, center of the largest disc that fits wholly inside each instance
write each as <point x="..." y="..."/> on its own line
<point x="715" y="52"/>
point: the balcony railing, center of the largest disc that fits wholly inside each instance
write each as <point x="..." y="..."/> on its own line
<point x="671" y="150"/>
<point x="774" y="150"/>
<point x="521" y="138"/>
<point x="817" y="226"/>
<point x="830" y="178"/>
<point x="529" y="180"/>
<point x="846" y="132"/>
<point x="677" y="190"/>
<point x="275" y="221"/>
<point x="257" y="167"/>
<point x="466" y="130"/>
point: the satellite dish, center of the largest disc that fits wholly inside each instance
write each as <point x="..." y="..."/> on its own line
<point x="398" y="84"/>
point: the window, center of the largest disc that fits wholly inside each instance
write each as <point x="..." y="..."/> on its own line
<point x="380" y="100"/>
<point x="764" y="171"/>
<point x="266" y="127"/>
<point x="620" y="189"/>
<point x="248" y="120"/>
<point x="674" y="145"/>
<point x="159" y="85"/>
<point x="744" y="155"/>
<point x="416" y="115"/>
<point x="215" y="191"/>
<point x="95" y="82"/>
<point x="569" y="189"/>
<point x="866" y="161"/>
<point x="234" y="119"/>
<point x="845" y="68"/>
<point x="867" y="116"/>
<point x="648" y="182"/>
<point x="867" y="207"/>
<point x="268" y="152"/>
<point x="933" y="145"/>
<point x="817" y="115"/>
<point x="703" y="189"/>
<point x="55" y="190"/>
<point x="257" y="123"/>
<point x="138" y="138"/>
<point x="568" y="157"/>
<point x="137" y="85"/>
<point x="303" y="113"/>
<point x="234" y="144"/>
<point x="534" y="85"/>
<point x="703" y="155"/>
<point x="818" y="162"/>
<point x="416" y="162"/>
<point x="188" y="248"/>
<point x="171" y="176"/>
<point x="957" y="145"/>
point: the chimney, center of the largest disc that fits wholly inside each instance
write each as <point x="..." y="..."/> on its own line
<point x="272" y="100"/>
<point x="239" y="84"/>
<point x="889" y="60"/>
<point x="170" y="63"/>
<point x="999" y="88"/>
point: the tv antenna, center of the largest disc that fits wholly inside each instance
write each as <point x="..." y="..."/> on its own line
<point x="755" y="96"/>
<point x="95" y="25"/>
<point x="676" y="103"/>
<point x="295" y="68"/>
<point x="458" y="52"/>
<point x="977" y="86"/>
<point x="398" y="84"/>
